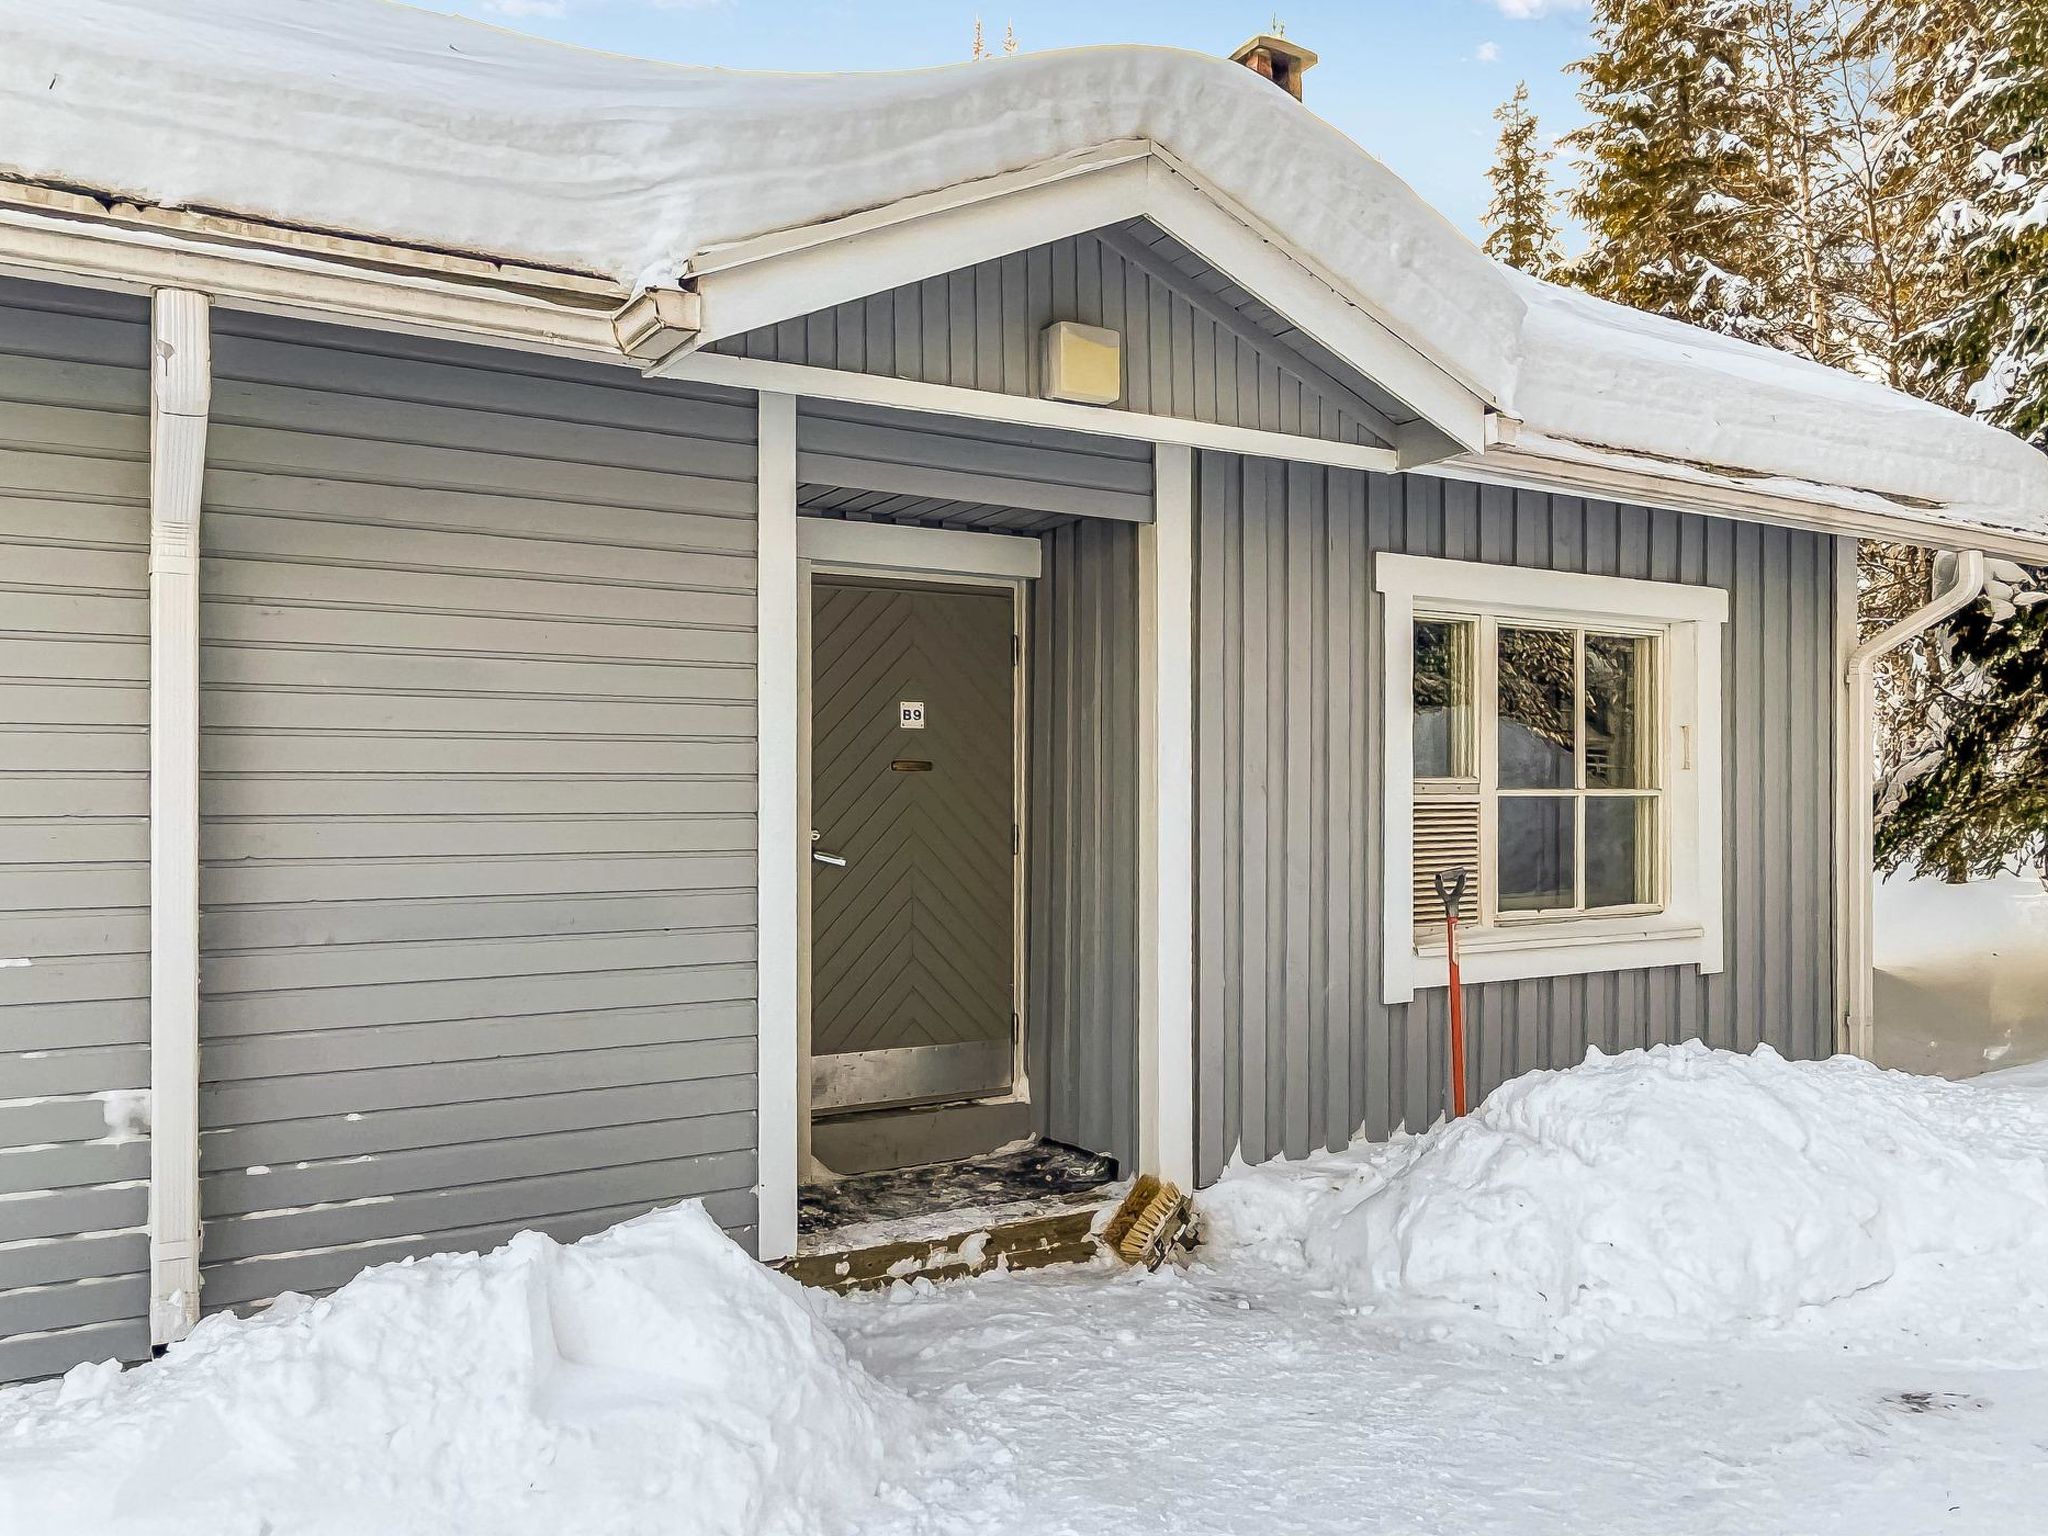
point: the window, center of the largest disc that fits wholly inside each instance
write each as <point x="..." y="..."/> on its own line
<point x="1556" y="736"/>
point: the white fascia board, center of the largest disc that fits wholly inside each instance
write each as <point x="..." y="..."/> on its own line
<point x="1017" y="410"/>
<point x="928" y="551"/>
<point x="1193" y="214"/>
<point x="1643" y="483"/>
<point x="776" y="278"/>
<point x="1690" y="929"/>
<point x="926" y="239"/>
<point x="139" y="260"/>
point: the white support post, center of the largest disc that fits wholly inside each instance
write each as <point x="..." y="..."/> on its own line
<point x="181" y="383"/>
<point x="782" y="846"/>
<point x="1166" y="877"/>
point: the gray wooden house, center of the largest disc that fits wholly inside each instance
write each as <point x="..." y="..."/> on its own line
<point x="988" y="638"/>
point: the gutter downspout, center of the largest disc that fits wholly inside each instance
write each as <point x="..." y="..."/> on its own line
<point x="181" y="392"/>
<point x="1858" y="923"/>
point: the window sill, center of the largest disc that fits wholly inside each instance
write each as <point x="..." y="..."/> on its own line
<point x="1526" y="952"/>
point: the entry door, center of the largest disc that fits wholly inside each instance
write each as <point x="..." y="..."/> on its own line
<point x="913" y="794"/>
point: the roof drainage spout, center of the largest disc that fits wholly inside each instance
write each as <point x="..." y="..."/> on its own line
<point x="1859" y="768"/>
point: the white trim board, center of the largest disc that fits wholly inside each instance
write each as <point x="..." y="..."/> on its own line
<point x="782" y="849"/>
<point x="986" y="405"/>
<point x="1166" y="813"/>
<point x="1688" y="931"/>
<point x="892" y="548"/>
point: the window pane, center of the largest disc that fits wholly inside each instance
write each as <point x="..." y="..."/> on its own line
<point x="1620" y="712"/>
<point x="1536" y="838"/>
<point x="1621" y="850"/>
<point x="1443" y="699"/>
<point x="1536" y="707"/>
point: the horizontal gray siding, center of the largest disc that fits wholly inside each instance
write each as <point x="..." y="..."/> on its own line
<point x="1189" y="351"/>
<point x="1295" y="1050"/>
<point x="477" y="803"/>
<point x="74" y="824"/>
<point x="1082" y="979"/>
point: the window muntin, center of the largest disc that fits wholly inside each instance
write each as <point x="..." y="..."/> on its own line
<point x="1565" y="782"/>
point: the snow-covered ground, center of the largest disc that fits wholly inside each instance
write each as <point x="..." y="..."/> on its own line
<point x="1678" y="1291"/>
<point x="1962" y="974"/>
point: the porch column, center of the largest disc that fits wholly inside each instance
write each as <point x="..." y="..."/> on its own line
<point x="780" y="845"/>
<point x="181" y="386"/>
<point x="1166" y="877"/>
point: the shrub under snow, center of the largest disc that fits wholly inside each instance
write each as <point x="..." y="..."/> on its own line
<point x="1682" y="1189"/>
<point x="653" y="1378"/>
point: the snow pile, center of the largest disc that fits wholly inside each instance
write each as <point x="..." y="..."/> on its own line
<point x="1682" y="1190"/>
<point x="653" y="1378"/>
<point x="382" y="120"/>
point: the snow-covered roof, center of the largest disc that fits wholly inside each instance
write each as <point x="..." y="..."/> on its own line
<point x="377" y="119"/>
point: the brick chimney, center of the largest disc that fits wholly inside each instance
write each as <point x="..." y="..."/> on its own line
<point x="1272" y="55"/>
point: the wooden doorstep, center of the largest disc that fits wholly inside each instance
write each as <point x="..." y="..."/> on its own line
<point x="1033" y="1242"/>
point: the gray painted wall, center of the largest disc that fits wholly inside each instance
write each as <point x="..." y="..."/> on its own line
<point x="74" y="823"/>
<point x="1195" y="346"/>
<point x="477" y="802"/>
<point x="1295" y="1050"/>
<point x="1082" y="987"/>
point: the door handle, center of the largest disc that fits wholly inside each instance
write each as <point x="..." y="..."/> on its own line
<point x="835" y="860"/>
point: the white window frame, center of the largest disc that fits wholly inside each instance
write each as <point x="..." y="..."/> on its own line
<point x="1686" y="929"/>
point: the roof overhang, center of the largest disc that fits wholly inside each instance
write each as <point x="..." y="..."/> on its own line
<point x="771" y="278"/>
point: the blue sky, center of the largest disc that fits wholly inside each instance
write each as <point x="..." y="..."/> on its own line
<point x="1414" y="81"/>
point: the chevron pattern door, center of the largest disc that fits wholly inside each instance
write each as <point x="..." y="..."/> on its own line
<point x="913" y="937"/>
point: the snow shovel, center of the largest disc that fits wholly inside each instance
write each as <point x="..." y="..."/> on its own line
<point x="1450" y="890"/>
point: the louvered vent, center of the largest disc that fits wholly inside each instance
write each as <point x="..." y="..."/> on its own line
<point x="1446" y="837"/>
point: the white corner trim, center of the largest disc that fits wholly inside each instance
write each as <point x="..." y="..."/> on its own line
<point x="1166" y="914"/>
<point x="181" y="386"/>
<point x="933" y="551"/>
<point x="1690" y="929"/>
<point x="780" y="845"/>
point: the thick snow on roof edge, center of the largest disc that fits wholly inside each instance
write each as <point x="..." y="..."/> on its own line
<point x="375" y="118"/>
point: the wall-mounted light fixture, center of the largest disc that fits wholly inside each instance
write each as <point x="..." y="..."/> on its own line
<point x="1083" y="364"/>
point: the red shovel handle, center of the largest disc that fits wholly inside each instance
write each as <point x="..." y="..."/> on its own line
<point x="1450" y="890"/>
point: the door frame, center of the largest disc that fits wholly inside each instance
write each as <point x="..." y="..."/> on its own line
<point x="884" y="553"/>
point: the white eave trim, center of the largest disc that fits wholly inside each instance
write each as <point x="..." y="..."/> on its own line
<point x="1645" y="482"/>
<point x="122" y="257"/>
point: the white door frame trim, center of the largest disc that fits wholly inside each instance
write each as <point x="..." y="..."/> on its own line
<point x="181" y="388"/>
<point x="782" y="850"/>
<point x="1166" y="845"/>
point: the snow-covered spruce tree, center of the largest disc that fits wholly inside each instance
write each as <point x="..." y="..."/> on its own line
<point x="1672" y="188"/>
<point x="1968" y="795"/>
<point x="1519" y="230"/>
<point x="1972" y="105"/>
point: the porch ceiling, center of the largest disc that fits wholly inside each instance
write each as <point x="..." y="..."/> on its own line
<point x="855" y="505"/>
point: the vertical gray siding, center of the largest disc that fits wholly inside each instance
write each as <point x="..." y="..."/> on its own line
<point x="1200" y="351"/>
<point x="1295" y="1050"/>
<point x="477" y="803"/>
<point x="1082" y="981"/>
<point x="74" y="824"/>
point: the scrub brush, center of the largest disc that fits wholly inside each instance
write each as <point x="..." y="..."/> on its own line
<point x="1152" y="1216"/>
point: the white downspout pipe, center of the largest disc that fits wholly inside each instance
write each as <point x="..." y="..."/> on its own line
<point x="1859" y="789"/>
<point x="181" y="391"/>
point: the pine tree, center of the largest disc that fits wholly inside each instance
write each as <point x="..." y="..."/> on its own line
<point x="1973" y="107"/>
<point x="1969" y="794"/>
<point x="1519" y="230"/>
<point x="1671" y="186"/>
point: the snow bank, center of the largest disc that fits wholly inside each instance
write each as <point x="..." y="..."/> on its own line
<point x="387" y="121"/>
<point x="1962" y="974"/>
<point x="653" y="1378"/>
<point x="1687" y="1190"/>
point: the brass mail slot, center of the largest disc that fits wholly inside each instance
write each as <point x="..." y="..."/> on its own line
<point x="912" y="765"/>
